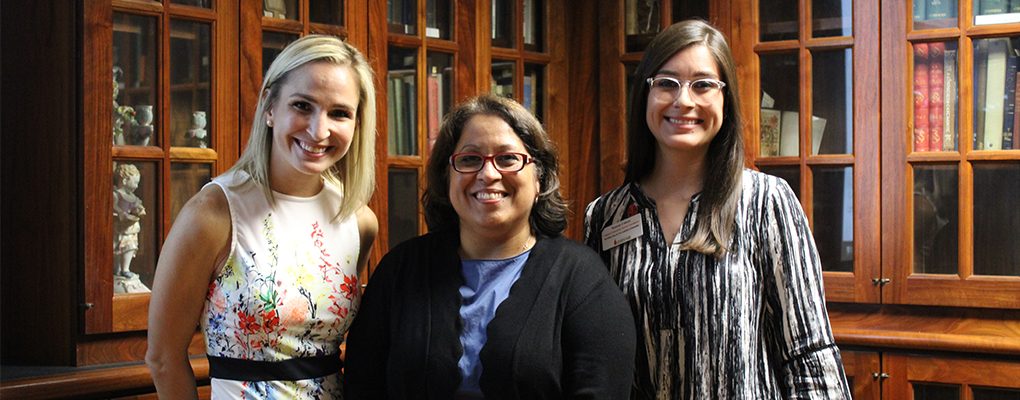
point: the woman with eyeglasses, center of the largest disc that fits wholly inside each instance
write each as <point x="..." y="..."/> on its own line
<point x="718" y="261"/>
<point x="493" y="302"/>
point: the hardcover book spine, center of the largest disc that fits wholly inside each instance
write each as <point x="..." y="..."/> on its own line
<point x="770" y="132"/>
<point x="1009" y="112"/>
<point x="949" y="101"/>
<point x="936" y="54"/>
<point x="921" y="97"/>
<point x="993" y="7"/>
<point x="920" y="12"/>
<point x="995" y="101"/>
<point x="433" y="109"/>
<point x="980" y="89"/>
<point x="938" y="9"/>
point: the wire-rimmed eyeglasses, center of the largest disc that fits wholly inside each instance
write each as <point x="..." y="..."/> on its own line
<point x="504" y="162"/>
<point x="702" y="91"/>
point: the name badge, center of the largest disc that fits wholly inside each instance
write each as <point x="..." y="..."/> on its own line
<point x="622" y="232"/>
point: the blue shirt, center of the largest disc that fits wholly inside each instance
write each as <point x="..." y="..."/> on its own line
<point x="486" y="284"/>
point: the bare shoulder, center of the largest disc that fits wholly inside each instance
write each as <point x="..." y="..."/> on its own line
<point x="368" y="223"/>
<point x="202" y="229"/>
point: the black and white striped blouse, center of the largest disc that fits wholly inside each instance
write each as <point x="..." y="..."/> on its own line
<point x="751" y="325"/>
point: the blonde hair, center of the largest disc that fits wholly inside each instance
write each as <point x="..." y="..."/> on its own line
<point x="354" y="174"/>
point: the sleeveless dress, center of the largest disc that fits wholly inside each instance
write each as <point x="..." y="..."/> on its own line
<point x="288" y="290"/>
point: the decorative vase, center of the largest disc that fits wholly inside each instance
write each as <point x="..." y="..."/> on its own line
<point x="198" y="120"/>
<point x="143" y="132"/>
<point x="197" y="130"/>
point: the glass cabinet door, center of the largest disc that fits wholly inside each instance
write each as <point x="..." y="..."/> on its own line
<point x="169" y="98"/>
<point x="421" y="48"/>
<point x="816" y="95"/>
<point x="956" y="154"/>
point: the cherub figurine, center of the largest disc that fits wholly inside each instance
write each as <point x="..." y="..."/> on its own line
<point x="127" y="211"/>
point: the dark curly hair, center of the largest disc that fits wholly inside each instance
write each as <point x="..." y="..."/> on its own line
<point x="548" y="216"/>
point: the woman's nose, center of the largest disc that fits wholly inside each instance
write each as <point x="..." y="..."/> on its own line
<point x="318" y="126"/>
<point x="488" y="171"/>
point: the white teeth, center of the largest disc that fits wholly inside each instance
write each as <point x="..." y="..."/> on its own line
<point x="310" y="149"/>
<point x="488" y="195"/>
<point x="683" y="121"/>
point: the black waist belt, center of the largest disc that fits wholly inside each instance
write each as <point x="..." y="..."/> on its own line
<point x="294" y="369"/>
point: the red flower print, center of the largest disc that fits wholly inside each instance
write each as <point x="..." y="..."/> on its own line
<point x="349" y="285"/>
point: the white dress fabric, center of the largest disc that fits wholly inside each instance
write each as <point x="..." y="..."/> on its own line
<point x="289" y="288"/>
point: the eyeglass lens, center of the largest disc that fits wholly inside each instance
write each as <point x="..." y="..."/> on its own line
<point x="504" y="162"/>
<point x="702" y="91"/>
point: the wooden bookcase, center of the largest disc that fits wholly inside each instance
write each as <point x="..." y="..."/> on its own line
<point x="855" y="68"/>
<point x="952" y="305"/>
<point x="194" y="55"/>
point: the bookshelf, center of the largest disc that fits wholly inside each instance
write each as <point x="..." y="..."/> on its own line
<point x="926" y="287"/>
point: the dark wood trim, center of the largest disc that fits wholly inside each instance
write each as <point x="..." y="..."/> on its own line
<point x="92" y="382"/>
<point x="98" y="165"/>
<point x="964" y="330"/>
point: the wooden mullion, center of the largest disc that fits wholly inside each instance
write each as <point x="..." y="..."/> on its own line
<point x="866" y="154"/>
<point x="445" y="46"/>
<point x="406" y="41"/>
<point x="327" y="29"/>
<point x="832" y="43"/>
<point x="896" y="144"/>
<point x="377" y="54"/>
<point x="97" y="91"/>
<point x="804" y="60"/>
<point x="778" y="46"/>
<point x="193" y="13"/>
<point x="138" y="6"/>
<point x="282" y="25"/>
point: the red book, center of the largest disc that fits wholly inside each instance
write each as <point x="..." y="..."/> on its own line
<point x="1016" y="116"/>
<point x="433" y="110"/>
<point x="921" y="142"/>
<point x="936" y="77"/>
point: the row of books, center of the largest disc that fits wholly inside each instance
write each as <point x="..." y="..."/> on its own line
<point x="995" y="89"/>
<point x="996" y="11"/>
<point x="985" y="11"/>
<point x="935" y="9"/>
<point x="400" y="113"/>
<point x="504" y="87"/>
<point x="780" y="133"/>
<point x="401" y="15"/>
<point x="935" y="97"/>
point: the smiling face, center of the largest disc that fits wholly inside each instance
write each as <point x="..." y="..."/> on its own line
<point x="489" y="202"/>
<point x="683" y="125"/>
<point x="313" y="123"/>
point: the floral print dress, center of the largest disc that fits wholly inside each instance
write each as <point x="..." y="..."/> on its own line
<point x="289" y="288"/>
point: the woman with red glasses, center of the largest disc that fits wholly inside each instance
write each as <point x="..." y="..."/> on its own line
<point x="493" y="302"/>
<point x="718" y="261"/>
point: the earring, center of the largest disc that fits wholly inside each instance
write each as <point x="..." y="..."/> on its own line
<point x="269" y="122"/>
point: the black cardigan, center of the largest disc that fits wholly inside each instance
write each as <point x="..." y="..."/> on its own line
<point x="565" y="331"/>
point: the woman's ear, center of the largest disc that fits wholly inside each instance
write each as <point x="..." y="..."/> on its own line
<point x="268" y="107"/>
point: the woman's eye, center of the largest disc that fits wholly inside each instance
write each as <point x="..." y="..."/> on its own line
<point x="340" y="114"/>
<point x="302" y="105"/>
<point x="668" y="84"/>
<point x="702" y="86"/>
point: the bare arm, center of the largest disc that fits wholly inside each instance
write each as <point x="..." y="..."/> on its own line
<point x="195" y="249"/>
<point x="368" y="226"/>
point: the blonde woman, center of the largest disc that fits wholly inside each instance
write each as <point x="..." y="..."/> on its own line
<point x="266" y="258"/>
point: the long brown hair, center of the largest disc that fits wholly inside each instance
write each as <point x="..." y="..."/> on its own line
<point x="725" y="158"/>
